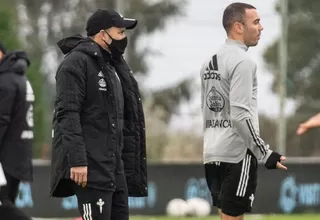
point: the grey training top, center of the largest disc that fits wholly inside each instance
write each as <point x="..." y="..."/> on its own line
<point x="229" y="106"/>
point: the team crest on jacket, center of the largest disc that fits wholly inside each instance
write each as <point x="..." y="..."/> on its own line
<point x="215" y="100"/>
<point x="102" y="84"/>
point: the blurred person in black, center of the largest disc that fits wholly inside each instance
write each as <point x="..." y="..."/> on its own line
<point x="16" y="122"/>
<point x="7" y="209"/>
<point x="99" y="151"/>
<point x="312" y="122"/>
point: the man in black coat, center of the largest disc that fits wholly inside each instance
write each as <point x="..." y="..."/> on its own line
<point x="99" y="151"/>
<point x="16" y="122"/>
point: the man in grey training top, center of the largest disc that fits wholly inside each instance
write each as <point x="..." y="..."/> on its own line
<point x="232" y="145"/>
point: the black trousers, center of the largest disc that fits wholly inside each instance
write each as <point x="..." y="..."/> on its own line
<point x="10" y="191"/>
<point x="94" y="204"/>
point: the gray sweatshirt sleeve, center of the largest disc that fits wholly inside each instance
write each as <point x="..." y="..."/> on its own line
<point x="202" y="83"/>
<point x="241" y="85"/>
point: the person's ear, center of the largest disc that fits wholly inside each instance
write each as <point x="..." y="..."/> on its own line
<point x="238" y="27"/>
<point x="102" y="34"/>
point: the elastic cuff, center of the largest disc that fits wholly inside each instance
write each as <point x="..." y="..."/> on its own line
<point x="77" y="161"/>
<point x="264" y="160"/>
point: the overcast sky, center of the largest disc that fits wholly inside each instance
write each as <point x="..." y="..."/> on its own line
<point x="187" y="42"/>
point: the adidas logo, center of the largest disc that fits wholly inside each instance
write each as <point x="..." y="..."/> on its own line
<point x="100" y="74"/>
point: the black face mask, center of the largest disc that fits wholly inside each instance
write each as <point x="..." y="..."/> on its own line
<point x="117" y="47"/>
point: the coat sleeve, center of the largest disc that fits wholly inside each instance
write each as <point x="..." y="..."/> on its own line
<point x="70" y="87"/>
<point x="7" y="97"/>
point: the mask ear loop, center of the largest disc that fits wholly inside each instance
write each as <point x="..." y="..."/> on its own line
<point x="109" y="36"/>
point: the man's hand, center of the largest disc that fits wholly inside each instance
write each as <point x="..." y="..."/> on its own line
<point x="280" y="165"/>
<point x="303" y="127"/>
<point x="275" y="161"/>
<point x="79" y="175"/>
<point x="310" y="123"/>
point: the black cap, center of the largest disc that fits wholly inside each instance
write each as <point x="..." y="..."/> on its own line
<point x="2" y="48"/>
<point x="104" y="19"/>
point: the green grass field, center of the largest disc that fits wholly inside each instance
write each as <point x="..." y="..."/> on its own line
<point x="248" y="217"/>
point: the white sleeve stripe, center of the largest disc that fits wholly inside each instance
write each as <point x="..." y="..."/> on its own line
<point x="256" y="138"/>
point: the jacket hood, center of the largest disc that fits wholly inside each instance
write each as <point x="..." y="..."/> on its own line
<point x="79" y="43"/>
<point x="15" y="61"/>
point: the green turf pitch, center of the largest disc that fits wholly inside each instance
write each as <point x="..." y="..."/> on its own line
<point x="248" y="217"/>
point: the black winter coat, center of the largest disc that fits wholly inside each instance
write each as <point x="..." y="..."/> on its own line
<point x="85" y="122"/>
<point x="16" y="116"/>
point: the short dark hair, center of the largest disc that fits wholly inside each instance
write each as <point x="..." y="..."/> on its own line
<point x="235" y="12"/>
